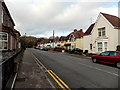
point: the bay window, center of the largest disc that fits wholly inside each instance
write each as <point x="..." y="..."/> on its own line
<point x="102" y="46"/>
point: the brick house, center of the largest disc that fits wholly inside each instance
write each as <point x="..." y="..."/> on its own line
<point x="9" y="37"/>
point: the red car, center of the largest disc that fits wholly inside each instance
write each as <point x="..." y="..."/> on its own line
<point x="110" y="57"/>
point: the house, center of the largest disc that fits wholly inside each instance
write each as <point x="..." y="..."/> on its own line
<point x="9" y="37"/>
<point x="87" y="39"/>
<point x="105" y="35"/>
<point x="75" y="39"/>
<point x="62" y="41"/>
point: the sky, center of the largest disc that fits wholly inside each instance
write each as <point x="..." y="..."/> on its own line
<point x="39" y="18"/>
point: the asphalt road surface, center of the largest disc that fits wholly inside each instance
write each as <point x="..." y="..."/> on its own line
<point x="79" y="72"/>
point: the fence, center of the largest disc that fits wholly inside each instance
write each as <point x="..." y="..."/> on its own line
<point x="7" y="69"/>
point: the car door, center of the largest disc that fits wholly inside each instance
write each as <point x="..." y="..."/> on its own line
<point x="103" y="56"/>
<point x="112" y="57"/>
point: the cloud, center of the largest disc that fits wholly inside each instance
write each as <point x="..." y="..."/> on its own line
<point x="41" y="17"/>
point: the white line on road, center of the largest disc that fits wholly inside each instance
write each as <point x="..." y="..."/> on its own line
<point x="100" y="69"/>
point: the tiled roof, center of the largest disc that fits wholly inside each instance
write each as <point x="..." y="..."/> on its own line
<point x="15" y="31"/>
<point x="76" y="33"/>
<point x="114" y="20"/>
<point x="88" y="31"/>
<point x="62" y="38"/>
<point x="56" y="39"/>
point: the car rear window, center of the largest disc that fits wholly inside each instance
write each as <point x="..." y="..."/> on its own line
<point x="113" y="54"/>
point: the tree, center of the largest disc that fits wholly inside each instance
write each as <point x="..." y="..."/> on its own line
<point x="118" y="48"/>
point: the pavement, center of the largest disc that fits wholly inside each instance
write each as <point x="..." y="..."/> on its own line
<point x="30" y="75"/>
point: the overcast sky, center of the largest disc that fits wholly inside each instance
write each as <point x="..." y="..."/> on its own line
<point x="40" y="17"/>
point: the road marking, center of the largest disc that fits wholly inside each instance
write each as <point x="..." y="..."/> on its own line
<point x="55" y="79"/>
<point x="99" y="69"/>
<point x="53" y="75"/>
<point x="39" y="62"/>
<point x="60" y="80"/>
<point x="45" y="74"/>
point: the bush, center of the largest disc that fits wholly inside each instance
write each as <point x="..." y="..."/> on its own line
<point x="59" y="47"/>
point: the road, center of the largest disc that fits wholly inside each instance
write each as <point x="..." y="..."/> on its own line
<point x="78" y="72"/>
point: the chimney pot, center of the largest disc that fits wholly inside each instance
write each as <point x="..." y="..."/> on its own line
<point x="75" y="30"/>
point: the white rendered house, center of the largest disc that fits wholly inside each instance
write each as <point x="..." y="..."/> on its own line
<point x="104" y="36"/>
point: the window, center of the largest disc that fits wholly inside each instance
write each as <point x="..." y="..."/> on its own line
<point x="2" y="17"/>
<point x="102" y="46"/>
<point x="113" y="54"/>
<point x="72" y="39"/>
<point x="101" y="32"/>
<point x="3" y="40"/>
<point x="105" y="53"/>
<point x="99" y="46"/>
<point x="91" y="46"/>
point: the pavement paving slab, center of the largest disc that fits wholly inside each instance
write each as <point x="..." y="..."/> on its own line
<point x="30" y="75"/>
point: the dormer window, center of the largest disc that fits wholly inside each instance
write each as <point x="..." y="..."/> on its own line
<point x="101" y="32"/>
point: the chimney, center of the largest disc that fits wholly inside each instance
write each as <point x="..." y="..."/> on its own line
<point x="81" y="30"/>
<point x="75" y="30"/>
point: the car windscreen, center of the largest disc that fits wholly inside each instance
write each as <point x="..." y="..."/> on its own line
<point x="105" y="53"/>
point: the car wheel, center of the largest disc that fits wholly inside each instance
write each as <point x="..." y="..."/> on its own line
<point x="94" y="60"/>
<point x="118" y="64"/>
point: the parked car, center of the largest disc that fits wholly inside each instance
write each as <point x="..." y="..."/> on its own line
<point x="45" y="49"/>
<point x="37" y="47"/>
<point x="110" y="57"/>
<point x="59" y="49"/>
<point x="75" y="50"/>
<point x="40" y="47"/>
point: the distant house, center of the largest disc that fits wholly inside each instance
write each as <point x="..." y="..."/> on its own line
<point x="104" y="36"/>
<point x="62" y="41"/>
<point x="9" y="37"/>
<point x="75" y="39"/>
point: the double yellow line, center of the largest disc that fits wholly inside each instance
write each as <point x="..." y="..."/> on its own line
<point x="53" y="75"/>
<point x="58" y="80"/>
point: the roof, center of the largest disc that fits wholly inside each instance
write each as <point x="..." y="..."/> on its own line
<point x="17" y="32"/>
<point x="88" y="31"/>
<point x="77" y="33"/>
<point x="56" y="39"/>
<point x="62" y="38"/>
<point x="6" y="9"/>
<point x="114" y="20"/>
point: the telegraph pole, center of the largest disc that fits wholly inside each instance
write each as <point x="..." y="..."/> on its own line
<point x="53" y="38"/>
